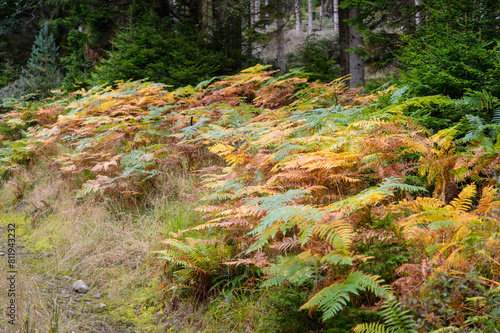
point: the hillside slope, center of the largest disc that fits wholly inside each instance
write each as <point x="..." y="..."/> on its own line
<point x="316" y="196"/>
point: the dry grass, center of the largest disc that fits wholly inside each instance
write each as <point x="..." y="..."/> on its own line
<point x="105" y="244"/>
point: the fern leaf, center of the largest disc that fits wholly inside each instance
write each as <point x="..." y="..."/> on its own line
<point x="463" y="202"/>
<point x="295" y="269"/>
<point x="372" y="328"/>
<point x="332" y="299"/>
<point x="485" y="203"/>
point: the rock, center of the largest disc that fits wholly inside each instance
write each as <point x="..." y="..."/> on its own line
<point x="98" y="295"/>
<point x="100" y="306"/>
<point x="80" y="287"/>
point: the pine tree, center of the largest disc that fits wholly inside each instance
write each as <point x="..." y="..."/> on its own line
<point x="42" y="74"/>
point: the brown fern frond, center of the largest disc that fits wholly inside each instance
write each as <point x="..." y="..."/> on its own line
<point x="259" y="259"/>
<point x="286" y="244"/>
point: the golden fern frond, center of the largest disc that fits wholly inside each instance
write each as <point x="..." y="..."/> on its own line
<point x="458" y="260"/>
<point x="486" y="203"/>
<point x="221" y="149"/>
<point x="324" y="161"/>
<point x="347" y="179"/>
<point x="463" y="202"/>
<point x="334" y="231"/>
<point x="421" y="203"/>
<point x="414" y="146"/>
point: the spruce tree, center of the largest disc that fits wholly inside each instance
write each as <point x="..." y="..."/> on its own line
<point x="42" y="74"/>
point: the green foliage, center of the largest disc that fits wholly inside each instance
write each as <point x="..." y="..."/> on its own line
<point x="438" y="112"/>
<point x="13" y="154"/>
<point x="396" y="320"/>
<point x="160" y="52"/>
<point x="41" y="74"/>
<point x="387" y="253"/>
<point x="76" y="64"/>
<point x="454" y="51"/>
<point x="285" y="316"/>
<point x="333" y="298"/>
<point x="316" y="57"/>
<point x="381" y="24"/>
<point x="8" y="70"/>
<point x="448" y="301"/>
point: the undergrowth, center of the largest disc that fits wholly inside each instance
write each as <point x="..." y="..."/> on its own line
<point x="341" y="203"/>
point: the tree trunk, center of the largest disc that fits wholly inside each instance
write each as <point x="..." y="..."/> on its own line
<point x="196" y="12"/>
<point x="297" y="15"/>
<point x="309" y="16"/>
<point x="252" y="13"/>
<point x="256" y="8"/>
<point x="418" y="17"/>
<point x="356" y="64"/>
<point x="280" y="25"/>
<point x="336" y="15"/>
<point x="266" y="16"/>
<point x="343" y="29"/>
<point x="321" y="14"/>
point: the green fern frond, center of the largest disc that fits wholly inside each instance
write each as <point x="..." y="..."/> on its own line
<point x="372" y="328"/>
<point x="338" y="258"/>
<point x="396" y="318"/>
<point x="295" y="270"/>
<point x="278" y="200"/>
<point x="334" y="298"/>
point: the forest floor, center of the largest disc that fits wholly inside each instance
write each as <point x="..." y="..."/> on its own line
<point x="106" y="246"/>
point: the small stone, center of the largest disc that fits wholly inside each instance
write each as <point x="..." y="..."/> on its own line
<point x="100" y="306"/>
<point x="2" y="253"/>
<point x="80" y="287"/>
<point x="98" y="295"/>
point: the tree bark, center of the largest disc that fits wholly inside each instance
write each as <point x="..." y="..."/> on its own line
<point x="266" y="16"/>
<point x="336" y="15"/>
<point x="321" y="14"/>
<point x="418" y="17"/>
<point x="343" y="29"/>
<point x="297" y="15"/>
<point x="309" y="17"/>
<point x="281" y="61"/>
<point x="252" y="13"/>
<point x="256" y="18"/>
<point x="356" y="63"/>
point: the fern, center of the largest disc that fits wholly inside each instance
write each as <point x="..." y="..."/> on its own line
<point x="332" y="299"/>
<point x="373" y="328"/>
<point x="395" y="320"/>
<point x="295" y="270"/>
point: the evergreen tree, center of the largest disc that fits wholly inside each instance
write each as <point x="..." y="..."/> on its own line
<point x="42" y="74"/>
<point x="456" y="51"/>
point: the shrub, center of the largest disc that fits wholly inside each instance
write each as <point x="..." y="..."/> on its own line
<point x="454" y="51"/>
<point x="159" y="53"/>
<point x="41" y="74"/>
<point x="317" y="57"/>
